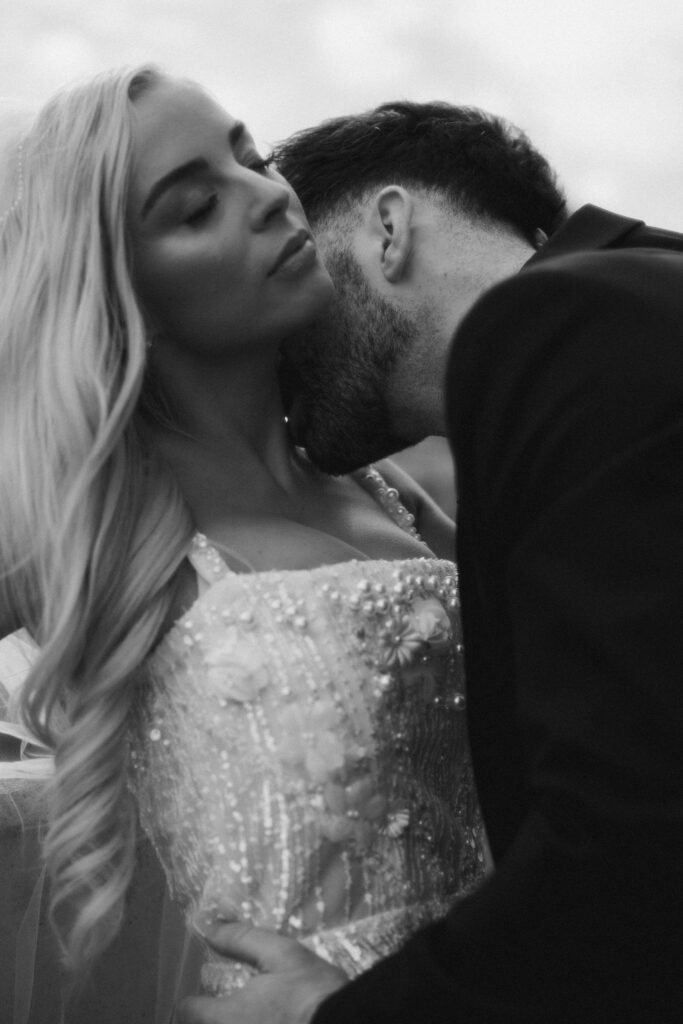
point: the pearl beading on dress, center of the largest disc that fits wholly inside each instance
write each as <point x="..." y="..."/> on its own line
<point x="391" y="500"/>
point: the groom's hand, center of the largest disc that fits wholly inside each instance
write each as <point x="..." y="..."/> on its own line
<point x="293" y="982"/>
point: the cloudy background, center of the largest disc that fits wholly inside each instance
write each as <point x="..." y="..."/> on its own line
<point x="597" y="84"/>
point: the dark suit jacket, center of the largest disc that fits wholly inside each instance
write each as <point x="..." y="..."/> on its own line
<point x="565" y="401"/>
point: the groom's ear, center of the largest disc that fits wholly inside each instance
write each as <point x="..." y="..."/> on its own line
<point x="393" y="221"/>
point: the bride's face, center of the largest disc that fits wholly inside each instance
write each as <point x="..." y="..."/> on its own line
<point x="222" y="254"/>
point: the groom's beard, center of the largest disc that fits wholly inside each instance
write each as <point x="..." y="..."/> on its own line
<point x="335" y="377"/>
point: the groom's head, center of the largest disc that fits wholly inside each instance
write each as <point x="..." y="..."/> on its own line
<point x="417" y="208"/>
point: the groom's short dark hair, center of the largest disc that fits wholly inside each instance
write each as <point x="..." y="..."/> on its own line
<point x="479" y="162"/>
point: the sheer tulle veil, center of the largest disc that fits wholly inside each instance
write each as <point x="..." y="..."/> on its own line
<point x="156" y="938"/>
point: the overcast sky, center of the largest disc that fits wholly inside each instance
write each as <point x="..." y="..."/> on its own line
<point x="597" y="84"/>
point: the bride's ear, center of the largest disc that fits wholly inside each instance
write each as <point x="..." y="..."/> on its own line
<point x="393" y="217"/>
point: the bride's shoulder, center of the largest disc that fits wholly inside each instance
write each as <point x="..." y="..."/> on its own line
<point x="436" y="528"/>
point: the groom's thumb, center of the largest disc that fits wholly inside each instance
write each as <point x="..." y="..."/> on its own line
<point x="268" y="952"/>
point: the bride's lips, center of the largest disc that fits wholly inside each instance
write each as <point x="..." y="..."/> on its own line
<point x="297" y="251"/>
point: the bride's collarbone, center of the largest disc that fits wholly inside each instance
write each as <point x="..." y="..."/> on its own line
<point x="262" y="543"/>
<point x="321" y="522"/>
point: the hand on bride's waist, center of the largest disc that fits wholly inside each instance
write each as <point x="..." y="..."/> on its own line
<point x="292" y="981"/>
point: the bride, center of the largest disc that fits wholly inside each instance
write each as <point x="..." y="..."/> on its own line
<point x="258" y="662"/>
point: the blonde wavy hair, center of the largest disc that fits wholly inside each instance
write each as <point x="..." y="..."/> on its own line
<point x="93" y="529"/>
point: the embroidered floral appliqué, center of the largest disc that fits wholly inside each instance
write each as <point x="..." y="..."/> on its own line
<point x="428" y="626"/>
<point x="236" y="671"/>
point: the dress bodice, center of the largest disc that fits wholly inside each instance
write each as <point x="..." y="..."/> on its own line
<point x="301" y="753"/>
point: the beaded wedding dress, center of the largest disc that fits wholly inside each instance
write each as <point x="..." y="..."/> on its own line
<point x="301" y="754"/>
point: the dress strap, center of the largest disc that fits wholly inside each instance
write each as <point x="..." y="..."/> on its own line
<point x="388" y="497"/>
<point x="209" y="564"/>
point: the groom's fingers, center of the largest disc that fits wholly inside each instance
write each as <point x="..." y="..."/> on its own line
<point x="289" y="997"/>
<point x="264" y="949"/>
<point x="203" y="1010"/>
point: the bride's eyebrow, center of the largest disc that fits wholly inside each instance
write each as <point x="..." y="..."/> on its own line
<point x="188" y="170"/>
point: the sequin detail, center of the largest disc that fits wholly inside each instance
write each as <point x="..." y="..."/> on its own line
<point x="301" y="751"/>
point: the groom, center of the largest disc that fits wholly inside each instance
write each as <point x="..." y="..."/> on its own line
<point x="564" y="404"/>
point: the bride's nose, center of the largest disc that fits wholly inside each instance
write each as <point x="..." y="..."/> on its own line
<point x="271" y="198"/>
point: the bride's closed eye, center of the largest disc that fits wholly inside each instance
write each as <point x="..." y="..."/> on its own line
<point x="203" y="208"/>
<point x="202" y="211"/>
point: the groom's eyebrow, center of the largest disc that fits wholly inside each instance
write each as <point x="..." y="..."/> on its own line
<point x="187" y="170"/>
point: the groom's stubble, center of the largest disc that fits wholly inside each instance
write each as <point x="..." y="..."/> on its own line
<point x="335" y="377"/>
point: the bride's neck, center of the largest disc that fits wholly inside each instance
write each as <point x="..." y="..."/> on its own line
<point x="224" y="423"/>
